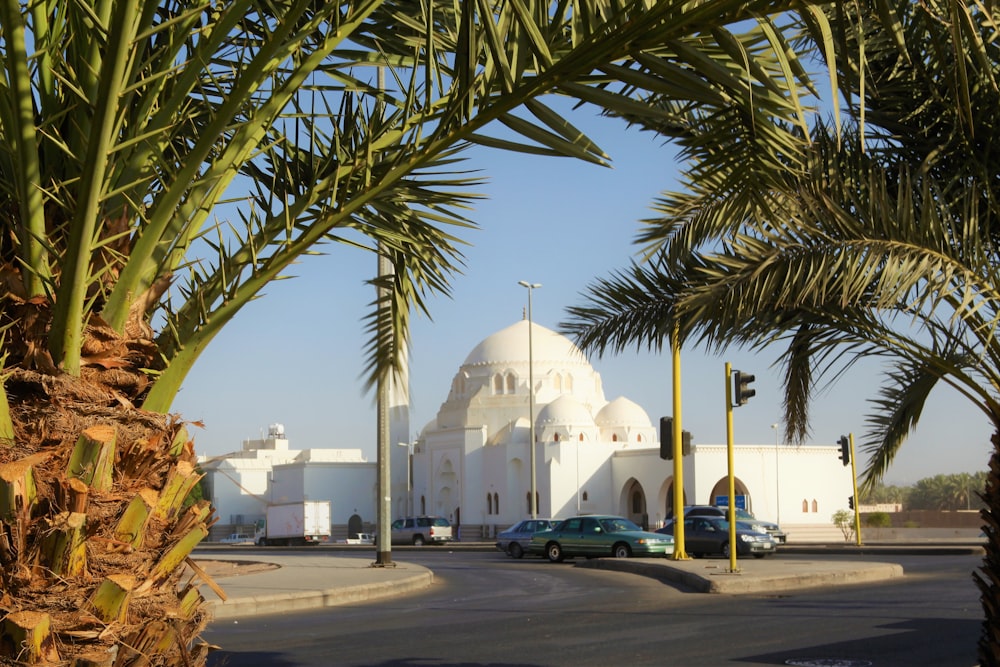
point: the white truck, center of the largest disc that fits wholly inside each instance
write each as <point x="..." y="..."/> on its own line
<point x="288" y="524"/>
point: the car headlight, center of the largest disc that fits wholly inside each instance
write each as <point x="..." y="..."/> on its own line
<point x="748" y="538"/>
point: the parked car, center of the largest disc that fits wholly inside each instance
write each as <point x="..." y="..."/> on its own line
<point x="238" y="538"/>
<point x="420" y="530"/>
<point x="705" y="535"/>
<point x="598" y="535"/>
<point x="515" y="539"/>
<point x="768" y="527"/>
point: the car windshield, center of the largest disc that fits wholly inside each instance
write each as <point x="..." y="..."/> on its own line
<point x="618" y="525"/>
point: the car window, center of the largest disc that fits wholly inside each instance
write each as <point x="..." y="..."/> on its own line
<point x="591" y="526"/>
<point x="618" y="525"/>
<point x="397" y="524"/>
<point x="572" y="525"/>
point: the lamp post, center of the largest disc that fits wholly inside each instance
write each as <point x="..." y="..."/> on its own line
<point x="531" y="402"/>
<point x="409" y="476"/>
<point x="777" y="483"/>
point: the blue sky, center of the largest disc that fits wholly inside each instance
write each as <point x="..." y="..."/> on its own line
<point x="295" y="356"/>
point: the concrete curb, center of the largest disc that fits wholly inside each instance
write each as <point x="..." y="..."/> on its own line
<point x="714" y="577"/>
<point x="243" y="607"/>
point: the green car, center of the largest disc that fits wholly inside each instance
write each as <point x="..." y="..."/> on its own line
<point x="593" y="536"/>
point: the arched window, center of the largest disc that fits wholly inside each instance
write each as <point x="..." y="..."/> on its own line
<point x="555" y="437"/>
<point x="805" y="506"/>
<point x="511" y="383"/>
<point x="815" y="506"/>
<point x="497" y="384"/>
<point x="568" y="384"/>
<point x="557" y="383"/>
<point x="614" y="437"/>
<point x="636" y="502"/>
<point x="489" y="504"/>
<point x="638" y="438"/>
<point x="496" y="503"/>
<point x="585" y="496"/>
<point x="581" y="437"/>
<point x="423" y="505"/>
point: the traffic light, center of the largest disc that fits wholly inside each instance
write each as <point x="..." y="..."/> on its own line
<point x="743" y="391"/>
<point x="667" y="439"/>
<point x="850" y="501"/>
<point x="845" y="450"/>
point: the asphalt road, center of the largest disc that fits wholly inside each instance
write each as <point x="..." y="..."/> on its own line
<point x="489" y="611"/>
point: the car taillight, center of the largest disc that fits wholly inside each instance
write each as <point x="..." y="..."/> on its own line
<point x="432" y="531"/>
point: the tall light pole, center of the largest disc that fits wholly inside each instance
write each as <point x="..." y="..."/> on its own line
<point x="533" y="502"/>
<point x="409" y="476"/>
<point x="777" y="483"/>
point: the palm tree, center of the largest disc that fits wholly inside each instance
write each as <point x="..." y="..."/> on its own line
<point x="127" y="125"/>
<point x="884" y="246"/>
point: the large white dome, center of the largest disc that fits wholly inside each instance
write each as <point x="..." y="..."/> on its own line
<point x="510" y="345"/>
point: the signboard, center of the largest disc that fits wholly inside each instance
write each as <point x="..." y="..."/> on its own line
<point x="723" y="501"/>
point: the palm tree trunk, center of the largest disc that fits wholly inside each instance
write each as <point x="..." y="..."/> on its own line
<point x="95" y="533"/>
<point x="988" y="576"/>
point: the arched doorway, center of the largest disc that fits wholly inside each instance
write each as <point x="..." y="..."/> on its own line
<point x="668" y="506"/>
<point x="721" y="489"/>
<point x="634" y="502"/>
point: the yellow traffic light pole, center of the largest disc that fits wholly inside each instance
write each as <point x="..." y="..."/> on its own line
<point x="678" y="433"/>
<point x="732" y="479"/>
<point x="854" y="482"/>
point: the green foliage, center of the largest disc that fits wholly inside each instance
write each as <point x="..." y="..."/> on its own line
<point x="127" y="127"/>
<point x="844" y="520"/>
<point x="878" y="520"/>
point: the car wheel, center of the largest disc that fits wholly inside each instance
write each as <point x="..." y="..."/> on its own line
<point x="621" y="551"/>
<point x="725" y="549"/>
<point x="554" y="552"/>
<point x="515" y="550"/>
<point x="418" y="540"/>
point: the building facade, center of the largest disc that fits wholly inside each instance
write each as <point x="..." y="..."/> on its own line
<point x="473" y="462"/>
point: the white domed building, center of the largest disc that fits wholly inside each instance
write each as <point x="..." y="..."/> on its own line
<point x="472" y="463"/>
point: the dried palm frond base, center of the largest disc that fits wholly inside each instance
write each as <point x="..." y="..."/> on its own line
<point x="95" y="531"/>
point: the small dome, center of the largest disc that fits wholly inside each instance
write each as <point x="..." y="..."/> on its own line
<point x="565" y="411"/>
<point x="622" y="412"/>
<point x="510" y="345"/>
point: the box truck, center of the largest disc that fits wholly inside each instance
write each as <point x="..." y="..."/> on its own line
<point x="287" y="524"/>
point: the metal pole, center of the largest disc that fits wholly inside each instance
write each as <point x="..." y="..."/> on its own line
<point x="732" y="478"/>
<point x="533" y="502"/>
<point x="383" y="509"/>
<point x="857" y="501"/>
<point x="680" y="552"/>
<point x="777" y="480"/>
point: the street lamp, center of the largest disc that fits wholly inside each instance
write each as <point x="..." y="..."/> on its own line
<point x="531" y="402"/>
<point x="777" y="484"/>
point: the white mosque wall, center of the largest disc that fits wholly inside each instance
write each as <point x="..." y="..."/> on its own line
<point x="349" y="486"/>
<point x="238" y="489"/>
<point x="803" y="486"/>
<point x="581" y="479"/>
<point x="653" y="475"/>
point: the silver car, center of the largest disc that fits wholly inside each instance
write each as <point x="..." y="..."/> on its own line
<point x="420" y="530"/>
<point x="513" y="540"/>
